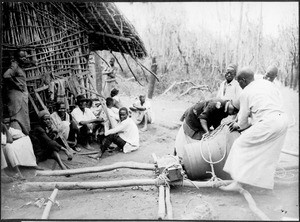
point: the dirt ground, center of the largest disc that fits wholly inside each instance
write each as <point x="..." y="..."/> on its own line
<point x="137" y="203"/>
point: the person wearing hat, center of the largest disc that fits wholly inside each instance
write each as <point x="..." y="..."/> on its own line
<point x="65" y="125"/>
<point x="200" y="118"/>
<point x="110" y="73"/>
<point x="229" y="88"/>
<point x="86" y="121"/>
<point x="253" y="157"/>
<point x="44" y="140"/>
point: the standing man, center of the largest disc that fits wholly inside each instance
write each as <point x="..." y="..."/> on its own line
<point x="254" y="155"/>
<point x="229" y="88"/>
<point x="110" y="80"/>
<point x="125" y="135"/>
<point x="17" y="93"/>
<point x="86" y="121"/>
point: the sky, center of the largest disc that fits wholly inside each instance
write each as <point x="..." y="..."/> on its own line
<point x="275" y="14"/>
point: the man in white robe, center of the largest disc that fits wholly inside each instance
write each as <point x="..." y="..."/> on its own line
<point x="254" y="155"/>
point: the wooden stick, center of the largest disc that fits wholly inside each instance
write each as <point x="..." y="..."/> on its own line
<point x="200" y="87"/>
<point x="131" y="69"/>
<point x="131" y="165"/>
<point x="49" y="204"/>
<point x="168" y="204"/>
<point x="88" y="153"/>
<point x="44" y="186"/>
<point x="198" y="184"/>
<point x="117" y="61"/>
<point x="147" y="69"/>
<point x="161" y="203"/>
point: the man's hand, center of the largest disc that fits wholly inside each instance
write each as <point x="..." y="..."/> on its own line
<point x="233" y="126"/>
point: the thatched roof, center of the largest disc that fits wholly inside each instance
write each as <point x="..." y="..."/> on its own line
<point x="105" y="26"/>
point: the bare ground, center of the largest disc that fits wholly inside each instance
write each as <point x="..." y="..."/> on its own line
<point x="136" y="203"/>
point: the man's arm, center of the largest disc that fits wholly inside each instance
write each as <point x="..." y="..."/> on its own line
<point x="118" y="129"/>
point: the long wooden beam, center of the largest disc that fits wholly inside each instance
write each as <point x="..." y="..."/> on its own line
<point x="131" y="165"/>
<point x="44" y="186"/>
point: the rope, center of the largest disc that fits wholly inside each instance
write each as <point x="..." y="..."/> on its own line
<point x="283" y="174"/>
<point x="210" y="161"/>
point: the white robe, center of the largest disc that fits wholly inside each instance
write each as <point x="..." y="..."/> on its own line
<point x="254" y="155"/>
<point x="20" y="152"/>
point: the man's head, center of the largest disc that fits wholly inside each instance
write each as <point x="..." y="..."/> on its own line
<point x="271" y="73"/>
<point x="61" y="108"/>
<point x="142" y="98"/>
<point x="114" y="92"/>
<point x="123" y="113"/>
<point x="20" y="56"/>
<point x="112" y="61"/>
<point x="109" y="102"/>
<point x="81" y="102"/>
<point x="230" y="72"/>
<point x="44" y="117"/>
<point x="245" y="76"/>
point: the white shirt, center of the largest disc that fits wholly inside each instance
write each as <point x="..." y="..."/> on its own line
<point x="63" y="126"/>
<point x="147" y="105"/>
<point x="229" y="91"/>
<point x="128" y="131"/>
<point x="114" y="116"/>
<point x="258" y="100"/>
<point x="79" y="116"/>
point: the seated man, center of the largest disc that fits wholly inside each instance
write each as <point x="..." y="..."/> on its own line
<point x="200" y="118"/>
<point x="44" y="142"/>
<point x="142" y="112"/>
<point x="18" y="149"/>
<point x="86" y="121"/>
<point x="125" y="135"/>
<point x="65" y="125"/>
<point x="113" y="112"/>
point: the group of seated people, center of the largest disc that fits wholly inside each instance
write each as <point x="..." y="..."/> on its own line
<point x="85" y="124"/>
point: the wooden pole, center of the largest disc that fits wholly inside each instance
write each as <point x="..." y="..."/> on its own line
<point x="49" y="204"/>
<point x="161" y="203"/>
<point x="168" y="204"/>
<point x="131" y="165"/>
<point x="44" y="186"/>
<point x="198" y="184"/>
<point x="252" y="205"/>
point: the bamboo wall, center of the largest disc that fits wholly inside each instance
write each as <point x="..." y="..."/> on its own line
<point x="50" y="36"/>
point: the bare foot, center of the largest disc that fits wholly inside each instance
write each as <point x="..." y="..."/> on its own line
<point x="234" y="186"/>
<point x="88" y="147"/>
<point x="96" y="156"/>
<point x="38" y="167"/>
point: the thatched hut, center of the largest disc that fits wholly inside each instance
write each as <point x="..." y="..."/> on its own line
<point x="60" y="36"/>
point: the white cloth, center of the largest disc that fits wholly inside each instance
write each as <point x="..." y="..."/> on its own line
<point x="20" y="151"/>
<point x="79" y="116"/>
<point x="129" y="132"/>
<point x="3" y="159"/>
<point x="254" y="155"/>
<point x="181" y="140"/>
<point x="232" y="90"/>
<point x="114" y="116"/>
<point x="139" y="115"/>
<point x="63" y="127"/>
